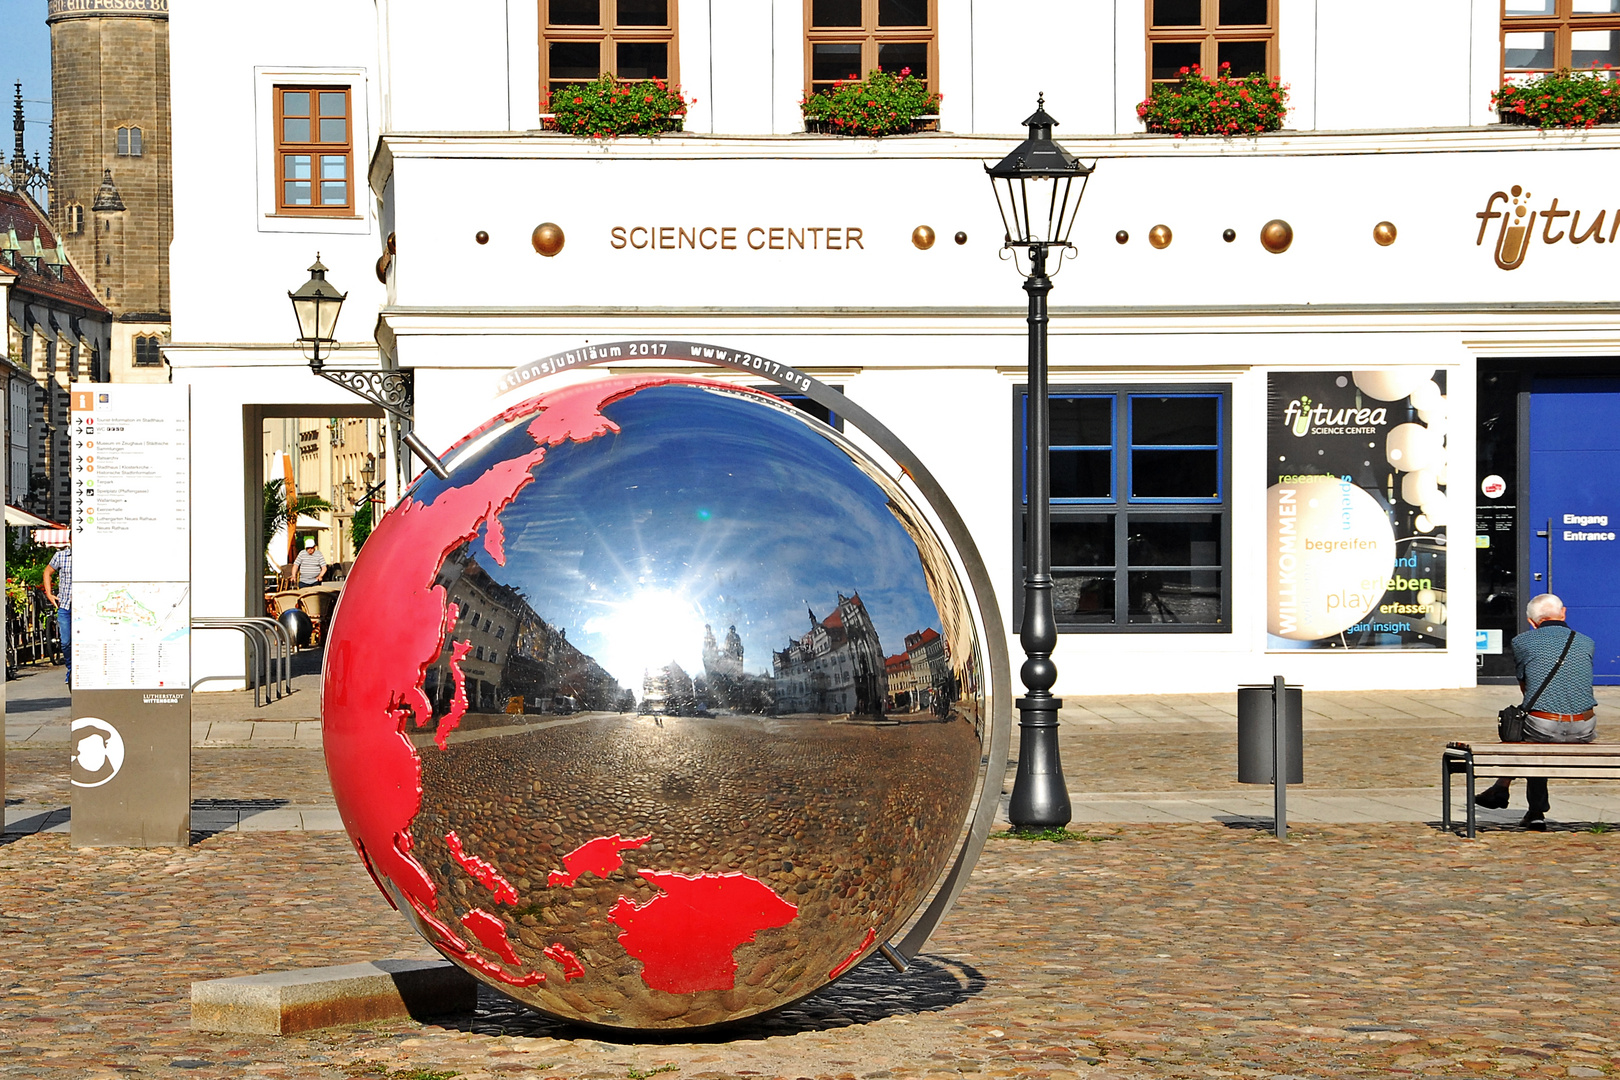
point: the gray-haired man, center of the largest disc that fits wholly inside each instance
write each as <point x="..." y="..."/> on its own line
<point x="1564" y="711"/>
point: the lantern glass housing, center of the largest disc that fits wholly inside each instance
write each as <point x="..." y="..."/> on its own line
<point x="316" y="304"/>
<point x="1034" y="186"/>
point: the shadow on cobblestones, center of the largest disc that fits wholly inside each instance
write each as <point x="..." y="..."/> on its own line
<point x="219" y="812"/>
<point x="23" y="827"/>
<point x="871" y="992"/>
<point x="1458" y="824"/>
<point x="1253" y="824"/>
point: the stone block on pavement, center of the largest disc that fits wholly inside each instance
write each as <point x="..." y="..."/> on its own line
<point x="322" y="819"/>
<point x="227" y="732"/>
<point x="285" y="1002"/>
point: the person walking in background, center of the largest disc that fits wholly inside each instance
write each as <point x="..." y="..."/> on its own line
<point x="1564" y="711"/>
<point x="59" y="591"/>
<point x="310" y="565"/>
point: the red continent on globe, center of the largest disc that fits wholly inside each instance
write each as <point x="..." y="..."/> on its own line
<point x="561" y="954"/>
<point x="491" y="933"/>
<point x="684" y="937"/>
<point x="482" y="871"/>
<point x="599" y="857"/>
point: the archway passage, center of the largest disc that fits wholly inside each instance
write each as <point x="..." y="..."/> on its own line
<point x="315" y="480"/>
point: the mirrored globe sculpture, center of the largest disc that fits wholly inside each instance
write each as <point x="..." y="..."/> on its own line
<point x="664" y="710"/>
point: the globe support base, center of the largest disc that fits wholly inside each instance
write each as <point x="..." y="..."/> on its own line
<point x="285" y="1002"/>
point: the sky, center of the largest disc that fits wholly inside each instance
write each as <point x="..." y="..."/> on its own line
<point x="25" y="53"/>
<point x="704" y="511"/>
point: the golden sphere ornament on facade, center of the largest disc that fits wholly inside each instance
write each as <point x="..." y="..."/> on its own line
<point x="481" y="236"/>
<point x="1122" y="237"/>
<point x="1384" y="233"/>
<point x="1276" y="235"/>
<point x="922" y="238"/>
<point x="386" y="259"/>
<point x="1160" y="236"/>
<point x="547" y="238"/>
<point x="1229" y="235"/>
<point x="961" y="238"/>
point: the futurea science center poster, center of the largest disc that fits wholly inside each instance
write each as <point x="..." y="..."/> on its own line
<point x="1357" y="513"/>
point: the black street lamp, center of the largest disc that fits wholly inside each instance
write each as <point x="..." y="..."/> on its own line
<point x="317" y="304"/>
<point x="1037" y="221"/>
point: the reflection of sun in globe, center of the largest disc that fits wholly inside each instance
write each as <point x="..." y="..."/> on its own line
<point x="645" y="632"/>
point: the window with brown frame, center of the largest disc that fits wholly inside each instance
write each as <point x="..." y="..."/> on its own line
<point x="1209" y="33"/>
<point x="314" y="151"/>
<point x="1542" y="36"/>
<point x="848" y="38"/>
<point x="630" y="39"/>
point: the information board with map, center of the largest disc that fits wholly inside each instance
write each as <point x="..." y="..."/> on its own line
<point x="131" y="541"/>
<point x="131" y="761"/>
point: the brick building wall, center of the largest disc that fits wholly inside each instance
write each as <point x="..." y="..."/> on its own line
<point x="110" y="70"/>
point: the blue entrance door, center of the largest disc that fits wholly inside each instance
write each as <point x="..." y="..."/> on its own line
<point x="1574" y="494"/>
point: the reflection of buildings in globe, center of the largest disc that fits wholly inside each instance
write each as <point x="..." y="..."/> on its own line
<point x="959" y="686"/>
<point x="669" y="690"/>
<point x="834" y="667"/>
<point x="920" y="677"/>
<point x="725" y="686"/>
<point x="678" y="869"/>
<point x="515" y="660"/>
<point x="727" y="661"/>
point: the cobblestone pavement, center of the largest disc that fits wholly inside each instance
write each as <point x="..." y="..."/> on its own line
<point x="1369" y="756"/>
<point x="1173" y="950"/>
<point x="1152" y="951"/>
<point x="39" y="774"/>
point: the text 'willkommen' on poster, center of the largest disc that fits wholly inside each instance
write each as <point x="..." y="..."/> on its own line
<point x="1357" y="511"/>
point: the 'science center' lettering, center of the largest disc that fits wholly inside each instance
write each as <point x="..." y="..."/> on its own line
<point x="727" y="237"/>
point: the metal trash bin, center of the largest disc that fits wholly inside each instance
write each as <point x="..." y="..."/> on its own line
<point x="1255" y="735"/>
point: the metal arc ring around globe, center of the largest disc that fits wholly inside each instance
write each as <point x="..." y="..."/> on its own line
<point x="667" y="707"/>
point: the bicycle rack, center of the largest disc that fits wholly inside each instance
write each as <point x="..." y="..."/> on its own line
<point x="270" y="671"/>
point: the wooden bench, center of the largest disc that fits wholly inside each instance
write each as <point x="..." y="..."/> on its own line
<point x="1563" y="761"/>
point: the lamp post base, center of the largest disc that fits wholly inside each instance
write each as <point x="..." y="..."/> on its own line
<point x="1040" y="799"/>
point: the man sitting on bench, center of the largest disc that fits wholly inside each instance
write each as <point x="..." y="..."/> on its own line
<point x="1563" y="713"/>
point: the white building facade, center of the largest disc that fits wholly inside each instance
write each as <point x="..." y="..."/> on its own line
<point x="1195" y="544"/>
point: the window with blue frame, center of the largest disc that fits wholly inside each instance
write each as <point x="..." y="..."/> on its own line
<point x="1141" y="521"/>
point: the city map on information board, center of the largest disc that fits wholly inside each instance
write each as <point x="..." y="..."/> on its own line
<point x="131" y="635"/>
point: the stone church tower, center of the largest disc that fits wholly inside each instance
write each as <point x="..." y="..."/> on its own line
<point x="113" y="202"/>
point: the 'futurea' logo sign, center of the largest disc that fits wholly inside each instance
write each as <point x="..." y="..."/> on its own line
<point x="1518" y="227"/>
<point x="1302" y="417"/>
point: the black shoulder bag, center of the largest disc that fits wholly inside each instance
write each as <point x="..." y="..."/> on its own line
<point x="1510" y="721"/>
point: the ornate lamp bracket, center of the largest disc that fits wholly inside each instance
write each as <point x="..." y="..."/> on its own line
<point x="393" y="391"/>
